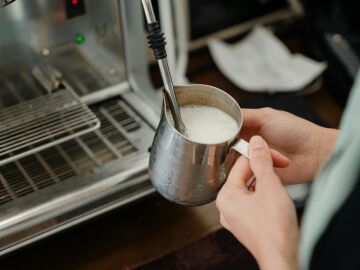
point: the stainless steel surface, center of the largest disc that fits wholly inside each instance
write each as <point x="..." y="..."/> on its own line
<point x="134" y="188"/>
<point x="186" y="172"/>
<point x="169" y="88"/>
<point x="70" y="182"/>
<point x="38" y="32"/>
<point x="85" y="199"/>
<point x="42" y="122"/>
<point x="106" y="93"/>
<point x="49" y="78"/>
<point x="149" y="11"/>
<point x="122" y="133"/>
<point x="165" y="74"/>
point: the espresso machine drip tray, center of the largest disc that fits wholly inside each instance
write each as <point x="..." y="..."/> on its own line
<point x="43" y="122"/>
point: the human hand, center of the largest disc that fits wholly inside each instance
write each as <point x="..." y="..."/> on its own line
<point x="264" y="220"/>
<point x="307" y="145"/>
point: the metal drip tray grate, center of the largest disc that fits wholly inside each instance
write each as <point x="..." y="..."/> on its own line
<point x="40" y="123"/>
<point x="123" y="134"/>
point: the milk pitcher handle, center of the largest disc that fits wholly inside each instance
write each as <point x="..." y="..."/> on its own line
<point x="242" y="147"/>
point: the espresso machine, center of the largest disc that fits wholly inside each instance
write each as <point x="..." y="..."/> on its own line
<point x="77" y="114"/>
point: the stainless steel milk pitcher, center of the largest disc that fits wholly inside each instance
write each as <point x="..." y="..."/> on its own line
<point x="187" y="172"/>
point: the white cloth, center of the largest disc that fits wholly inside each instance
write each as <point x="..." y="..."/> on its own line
<point x="261" y="62"/>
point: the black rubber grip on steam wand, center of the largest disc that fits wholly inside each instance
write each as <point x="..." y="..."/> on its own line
<point x="156" y="40"/>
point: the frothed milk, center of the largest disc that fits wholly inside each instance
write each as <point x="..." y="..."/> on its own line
<point x="208" y="125"/>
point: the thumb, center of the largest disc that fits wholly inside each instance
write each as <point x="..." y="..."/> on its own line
<point x="239" y="174"/>
<point x="261" y="162"/>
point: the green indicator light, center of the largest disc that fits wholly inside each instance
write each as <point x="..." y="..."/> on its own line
<point x="80" y="39"/>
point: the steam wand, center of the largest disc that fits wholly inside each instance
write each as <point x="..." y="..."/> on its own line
<point x="157" y="44"/>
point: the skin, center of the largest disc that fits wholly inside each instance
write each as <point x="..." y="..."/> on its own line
<point x="304" y="143"/>
<point x="265" y="220"/>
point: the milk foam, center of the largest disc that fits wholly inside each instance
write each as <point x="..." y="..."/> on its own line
<point x="208" y="125"/>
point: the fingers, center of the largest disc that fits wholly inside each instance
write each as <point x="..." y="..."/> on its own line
<point x="234" y="188"/>
<point x="238" y="176"/>
<point x="252" y="119"/>
<point x="241" y="171"/>
<point x="255" y="119"/>
<point x="253" y="122"/>
<point x="261" y="162"/>
<point x="280" y="161"/>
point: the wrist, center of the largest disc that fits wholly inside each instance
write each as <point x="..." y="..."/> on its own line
<point x="327" y="142"/>
<point x="280" y="253"/>
<point x="274" y="259"/>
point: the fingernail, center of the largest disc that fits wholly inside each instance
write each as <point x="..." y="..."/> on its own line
<point x="257" y="142"/>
